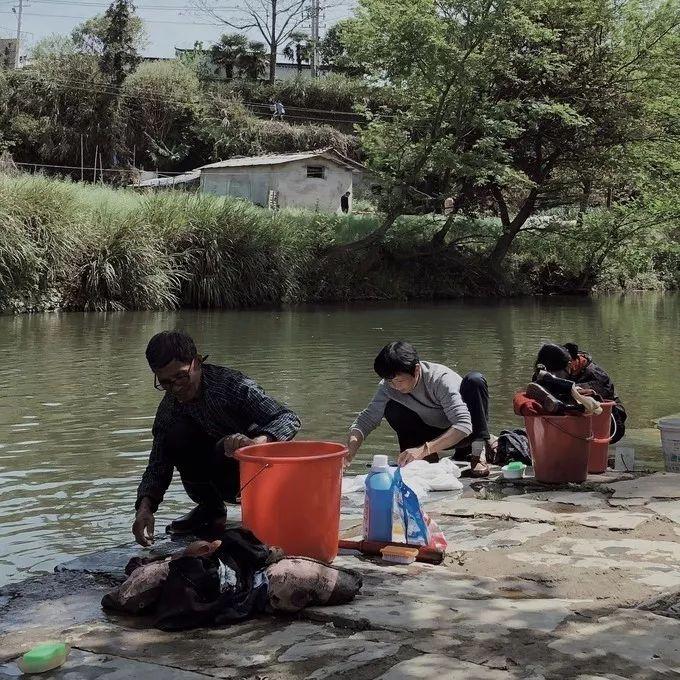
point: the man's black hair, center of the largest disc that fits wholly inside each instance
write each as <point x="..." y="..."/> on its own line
<point x="553" y="357"/>
<point x="397" y="357"/>
<point x="167" y="346"/>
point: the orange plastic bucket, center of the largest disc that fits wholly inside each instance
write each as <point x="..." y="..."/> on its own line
<point x="599" y="447"/>
<point x="560" y="447"/>
<point x="290" y="495"/>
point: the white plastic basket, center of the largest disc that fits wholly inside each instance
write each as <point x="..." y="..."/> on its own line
<point x="670" y="441"/>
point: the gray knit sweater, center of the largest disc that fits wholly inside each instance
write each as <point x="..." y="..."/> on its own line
<point x="436" y="399"/>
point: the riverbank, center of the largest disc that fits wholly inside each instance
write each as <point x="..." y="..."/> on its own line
<point x="72" y="246"/>
<point x="537" y="583"/>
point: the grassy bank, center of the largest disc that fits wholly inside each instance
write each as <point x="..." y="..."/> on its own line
<point x="73" y="246"/>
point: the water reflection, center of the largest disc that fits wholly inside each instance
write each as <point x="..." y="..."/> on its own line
<point x="77" y="399"/>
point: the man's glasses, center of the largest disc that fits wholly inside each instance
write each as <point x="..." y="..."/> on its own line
<point x="181" y="379"/>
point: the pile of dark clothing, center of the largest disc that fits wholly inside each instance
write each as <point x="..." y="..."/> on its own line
<point x="511" y="446"/>
<point x="226" y="581"/>
<point x="571" y="389"/>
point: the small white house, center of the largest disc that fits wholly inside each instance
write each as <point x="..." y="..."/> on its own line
<point x="316" y="180"/>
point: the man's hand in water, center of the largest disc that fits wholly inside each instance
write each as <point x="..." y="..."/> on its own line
<point x="143" y="526"/>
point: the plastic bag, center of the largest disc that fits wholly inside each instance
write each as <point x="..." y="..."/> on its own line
<point x="419" y="527"/>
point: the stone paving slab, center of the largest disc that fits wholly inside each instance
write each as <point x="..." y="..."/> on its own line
<point x="479" y="615"/>
<point x="631" y="548"/>
<point x="618" y="520"/>
<point x="40" y="609"/>
<point x="658" y="576"/>
<point x="85" y="666"/>
<point x="603" y="480"/>
<point x="416" y="611"/>
<point x="430" y="666"/>
<point x="659" y="485"/>
<point x="668" y="509"/>
<point x="255" y="647"/>
<point x="626" y="502"/>
<point x="649" y="641"/>
<point x="652" y="563"/>
<point x="586" y="499"/>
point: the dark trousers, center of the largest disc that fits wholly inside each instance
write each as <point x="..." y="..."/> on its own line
<point x="208" y="476"/>
<point x="412" y="431"/>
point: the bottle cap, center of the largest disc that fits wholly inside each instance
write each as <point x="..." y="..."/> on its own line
<point x="380" y="463"/>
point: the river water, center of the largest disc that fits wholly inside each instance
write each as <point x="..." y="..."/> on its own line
<point x="77" y="399"/>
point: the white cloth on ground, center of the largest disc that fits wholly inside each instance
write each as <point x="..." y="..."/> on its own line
<point x="420" y="475"/>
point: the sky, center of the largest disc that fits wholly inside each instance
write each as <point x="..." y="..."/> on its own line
<point x="169" y="23"/>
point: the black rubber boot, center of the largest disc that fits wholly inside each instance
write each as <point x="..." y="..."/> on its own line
<point x="558" y="387"/>
<point x="547" y="401"/>
<point x="200" y="519"/>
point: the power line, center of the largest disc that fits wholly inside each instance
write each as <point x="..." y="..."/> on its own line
<point x="77" y="167"/>
<point x="304" y="108"/>
<point x="156" y="95"/>
<point x="145" y="94"/>
<point x="146" y="21"/>
<point x="174" y="8"/>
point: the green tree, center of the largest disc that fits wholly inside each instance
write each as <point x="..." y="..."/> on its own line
<point x="571" y="83"/>
<point x="239" y="56"/>
<point x="163" y="108"/>
<point x="333" y="49"/>
<point x="436" y="58"/>
<point x="299" y="49"/>
<point x="515" y="105"/>
<point x="198" y="60"/>
<point x="119" y="54"/>
<point x="253" y="64"/>
<point x="274" y="20"/>
<point x="90" y="36"/>
<point x="53" y="103"/>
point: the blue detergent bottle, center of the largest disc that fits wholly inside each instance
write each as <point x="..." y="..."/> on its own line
<point x="378" y="501"/>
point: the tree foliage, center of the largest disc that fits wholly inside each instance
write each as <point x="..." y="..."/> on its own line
<point x="119" y="55"/>
<point x="517" y="105"/>
<point x="274" y="20"/>
<point x="299" y="49"/>
<point x="239" y="57"/>
<point x="90" y="37"/>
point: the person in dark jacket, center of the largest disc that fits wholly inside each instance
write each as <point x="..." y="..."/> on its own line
<point x="567" y="361"/>
<point x="208" y="412"/>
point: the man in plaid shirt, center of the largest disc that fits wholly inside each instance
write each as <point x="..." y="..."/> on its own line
<point x="207" y="413"/>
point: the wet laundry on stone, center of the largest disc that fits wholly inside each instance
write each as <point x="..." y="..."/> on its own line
<point x="227" y="581"/>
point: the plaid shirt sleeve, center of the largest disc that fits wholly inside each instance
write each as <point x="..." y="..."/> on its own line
<point x="263" y="414"/>
<point x="158" y="474"/>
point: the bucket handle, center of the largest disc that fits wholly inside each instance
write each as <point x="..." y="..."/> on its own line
<point x="607" y="440"/>
<point x="571" y="434"/>
<point x="254" y="477"/>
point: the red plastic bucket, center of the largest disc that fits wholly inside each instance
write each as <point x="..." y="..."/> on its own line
<point x="290" y="495"/>
<point x="599" y="447"/>
<point x="560" y="447"/>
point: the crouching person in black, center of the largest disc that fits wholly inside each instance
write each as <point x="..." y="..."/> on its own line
<point x="208" y="412"/>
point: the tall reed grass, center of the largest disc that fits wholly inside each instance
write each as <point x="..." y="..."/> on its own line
<point x="97" y="248"/>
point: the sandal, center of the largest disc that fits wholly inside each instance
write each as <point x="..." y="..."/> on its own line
<point x="477" y="470"/>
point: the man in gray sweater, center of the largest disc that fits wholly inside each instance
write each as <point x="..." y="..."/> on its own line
<point x="429" y="406"/>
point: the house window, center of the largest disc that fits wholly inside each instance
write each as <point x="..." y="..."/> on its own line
<point x="316" y="172"/>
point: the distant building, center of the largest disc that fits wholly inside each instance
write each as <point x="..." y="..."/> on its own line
<point x="315" y="180"/>
<point x="285" y="71"/>
<point x="8" y="52"/>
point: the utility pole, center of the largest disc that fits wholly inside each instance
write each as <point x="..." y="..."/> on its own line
<point x="315" y="38"/>
<point x="19" y="12"/>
